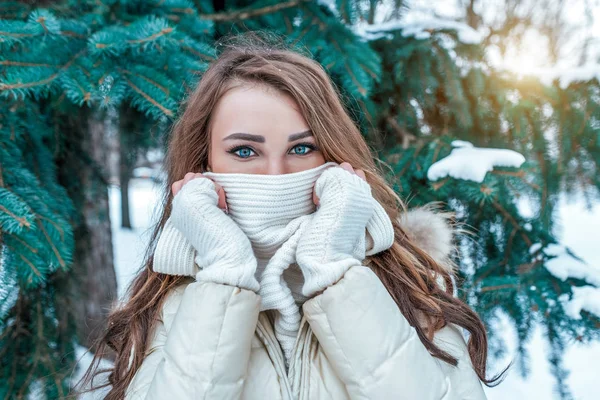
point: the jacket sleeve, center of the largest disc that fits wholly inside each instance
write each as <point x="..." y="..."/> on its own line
<point x="371" y="345"/>
<point x="201" y="347"/>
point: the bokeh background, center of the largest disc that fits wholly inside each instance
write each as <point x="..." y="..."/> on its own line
<point x="489" y="106"/>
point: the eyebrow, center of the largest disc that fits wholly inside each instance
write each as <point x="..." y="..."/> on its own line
<point x="261" y="139"/>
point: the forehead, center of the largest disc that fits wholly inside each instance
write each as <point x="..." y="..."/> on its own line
<point x="256" y="109"/>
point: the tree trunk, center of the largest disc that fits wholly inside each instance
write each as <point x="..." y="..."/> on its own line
<point x="124" y="176"/>
<point x="83" y="172"/>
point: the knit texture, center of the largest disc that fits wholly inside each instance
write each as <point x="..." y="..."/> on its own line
<point x="334" y="240"/>
<point x="174" y="251"/>
<point x="223" y="252"/>
<point x="273" y="211"/>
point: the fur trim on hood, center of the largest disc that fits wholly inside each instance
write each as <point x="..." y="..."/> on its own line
<point x="432" y="231"/>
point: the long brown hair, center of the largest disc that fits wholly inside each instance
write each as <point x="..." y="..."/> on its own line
<point x="410" y="275"/>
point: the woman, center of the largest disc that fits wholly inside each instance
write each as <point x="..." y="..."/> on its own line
<point x="285" y="267"/>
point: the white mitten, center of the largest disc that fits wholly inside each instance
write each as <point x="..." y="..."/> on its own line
<point x="223" y="251"/>
<point x="334" y="237"/>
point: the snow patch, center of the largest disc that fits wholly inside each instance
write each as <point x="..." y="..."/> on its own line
<point x="584" y="298"/>
<point x="566" y="265"/>
<point x="535" y="248"/>
<point x="566" y="76"/>
<point x="330" y="4"/>
<point x="472" y="163"/>
<point x="419" y="26"/>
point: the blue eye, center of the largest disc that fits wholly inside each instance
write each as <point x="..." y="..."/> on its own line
<point x="234" y="151"/>
<point x="305" y="146"/>
<point x="245" y="150"/>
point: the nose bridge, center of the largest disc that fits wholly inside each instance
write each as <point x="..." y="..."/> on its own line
<point x="276" y="166"/>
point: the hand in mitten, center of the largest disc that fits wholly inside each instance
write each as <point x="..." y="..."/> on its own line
<point x="327" y="247"/>
<point x="223" y="251"/>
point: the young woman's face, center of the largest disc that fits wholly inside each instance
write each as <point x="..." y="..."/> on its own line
<point x="260" y="131"/>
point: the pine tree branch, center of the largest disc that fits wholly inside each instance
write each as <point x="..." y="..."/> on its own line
<point x="508" y="249"/>
<point x="12" y="377"/>
<point x="436" y="154"/>
<point x="156" y="84"/>
<point x="437" y="185"/>
<point x="405" y="136"/>
<point x="289" y="26"/>
<point x="15" y="35"/>
<point x="511" y="219"/>
<point x="48" y="359"/>
<point x="361" y="89"/>
<point x="418" y="149"/>
<point x="524" y="268"/>
<point x="507" y="253"/>
<point x="586" y="117"/>
<point x="499" y="287"/>
<point x="73" y="34"/>
<point x="251" y="13"/>
<point x="165" y="110"/>
<point x="56" y="226"/>
<point x="22" y="221"/>
<point x="25" y="244"/>
<point x="197" y="53"/>
<point x="45" y="80"/>
<point x="518" y="174"/>
<point x="25" y="64"/>
<point x="365" y="111"/>
<point x="150" y="38"/>
<point x="37" y="272"/>
<point x="52" y="246"/>
<point x="305" y="31"/>
<point x="36" y="356"/>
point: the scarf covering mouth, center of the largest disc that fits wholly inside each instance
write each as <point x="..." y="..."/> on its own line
<point x="273" y="211"/>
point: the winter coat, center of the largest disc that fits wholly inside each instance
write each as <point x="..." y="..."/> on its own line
<point x="212" y="342"/>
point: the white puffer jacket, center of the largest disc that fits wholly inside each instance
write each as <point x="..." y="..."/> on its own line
<point x="354" y="343"/>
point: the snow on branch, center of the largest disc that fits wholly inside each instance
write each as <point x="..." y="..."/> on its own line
<point x="420" y="26"/>
<point x="564" y="265"/>
<point x="584" y="298"/>
<point x="566" y="76"/>
<point x="330" y="4"/>
<point x="472" y="163"/>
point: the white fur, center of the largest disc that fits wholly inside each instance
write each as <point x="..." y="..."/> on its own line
<point x="432" y="231"/>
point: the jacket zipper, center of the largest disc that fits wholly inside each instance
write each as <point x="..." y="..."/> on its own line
<point x="274" y="350"/>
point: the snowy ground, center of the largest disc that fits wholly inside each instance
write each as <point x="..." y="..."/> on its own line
<point x="578" y="232"/>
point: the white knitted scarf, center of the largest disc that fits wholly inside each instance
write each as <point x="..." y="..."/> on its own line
<point x="273" y="211"/>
